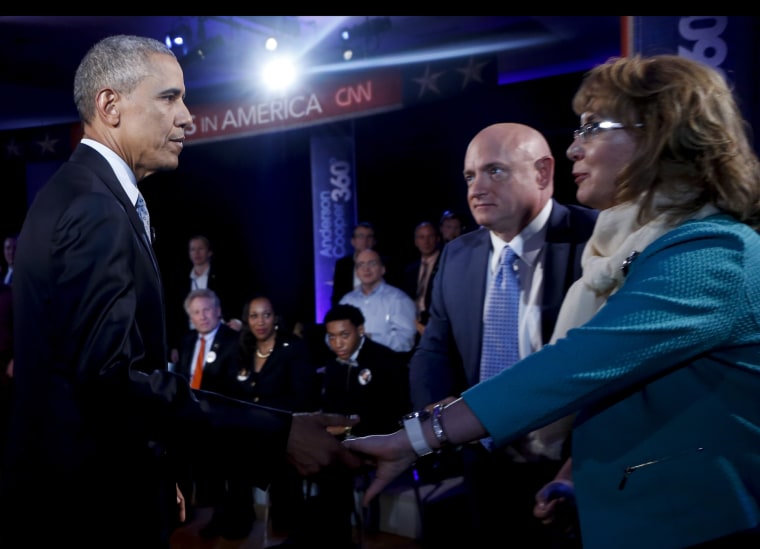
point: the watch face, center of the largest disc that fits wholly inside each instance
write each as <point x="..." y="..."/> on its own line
<point x="421" y="414"/>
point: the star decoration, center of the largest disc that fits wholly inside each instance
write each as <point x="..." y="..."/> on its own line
<point x="47" y="145"/>
<point x="12" y="148"/>
<point x="428" y="81"/>
<point x="472" y="72"/>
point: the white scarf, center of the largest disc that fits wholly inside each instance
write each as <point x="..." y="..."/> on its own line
<point x="617" y="234"/>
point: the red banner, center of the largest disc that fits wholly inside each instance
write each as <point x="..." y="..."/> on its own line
<point x="348" y="96"/>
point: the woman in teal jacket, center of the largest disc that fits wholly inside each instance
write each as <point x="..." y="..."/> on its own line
<point x="661" y="360"/>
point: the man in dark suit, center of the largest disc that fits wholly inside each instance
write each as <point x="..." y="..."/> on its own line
<point x="509" y="170"/>
<point x="205" y="273"/>
<point x="418" y="275"/>
<point x="97" y="415"/>
<point x="366" y="378"/>
<point x="211" y="367"/>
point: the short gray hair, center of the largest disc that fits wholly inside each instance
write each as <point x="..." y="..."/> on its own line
<point x="206" y="293"/>
<point x="119" y="62"/>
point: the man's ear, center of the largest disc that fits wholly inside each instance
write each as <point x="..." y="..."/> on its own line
<point x="107" y="106"/>
<point x="361" y="330"/>
<point x="545" y="167"/>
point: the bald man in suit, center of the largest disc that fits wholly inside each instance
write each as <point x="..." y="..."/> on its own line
<point x="509" y="171"/>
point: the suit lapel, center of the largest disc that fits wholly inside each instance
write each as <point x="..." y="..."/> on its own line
<point x="92" y="158"/>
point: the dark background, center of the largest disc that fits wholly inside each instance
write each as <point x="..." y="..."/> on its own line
<point x="252" y="196"/>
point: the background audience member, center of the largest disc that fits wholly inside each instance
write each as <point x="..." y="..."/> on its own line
<point x="204" y="274"/>
<point x="390" y="315"/>
<point x="9" y="254"/>
<point x="6" y="361"/>
<point x="208" y="358"/>
<point x="451" y="226"/>
<point x="509" y="171"/>
<point x="365" y="378"/>
<point x="275" y="370"/>
<point x="664" y="376"/>
<point x="345" y="278"/>
<point x="419" y="274"/>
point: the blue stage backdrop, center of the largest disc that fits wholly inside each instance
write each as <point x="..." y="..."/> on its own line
<point x="333" y="197"/>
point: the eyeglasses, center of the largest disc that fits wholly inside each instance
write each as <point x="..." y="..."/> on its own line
<point x="370" y="263"/>
<point x="587" y="131"/>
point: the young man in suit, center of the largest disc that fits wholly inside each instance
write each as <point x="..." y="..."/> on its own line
<point x="366" y="378"/>
<point x="97" y="415"/>
<point x="509" y="171"/>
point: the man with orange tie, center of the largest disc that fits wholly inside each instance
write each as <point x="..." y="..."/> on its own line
<point x="208" y="356"/>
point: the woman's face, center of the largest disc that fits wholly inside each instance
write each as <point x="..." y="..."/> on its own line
<point x="600" y="150"/>
<point x="261" y="318"/>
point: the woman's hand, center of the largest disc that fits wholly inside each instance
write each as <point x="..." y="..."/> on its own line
<point x="390" y="454"/>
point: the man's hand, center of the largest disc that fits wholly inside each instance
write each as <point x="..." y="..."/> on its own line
<point x="181" y="507"/>
<point x="311" y="447"/>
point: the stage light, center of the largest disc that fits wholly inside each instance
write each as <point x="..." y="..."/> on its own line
<point x="279" y="73"/>
<point x="345" y="34"/>
<point x="179" y="37"/>
<point x="348" y="54"/>
<point x="271" y="43"/>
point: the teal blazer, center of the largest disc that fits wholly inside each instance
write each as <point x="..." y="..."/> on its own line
<point x="666" y="383"/>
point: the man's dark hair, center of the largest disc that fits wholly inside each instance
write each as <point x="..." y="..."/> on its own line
<point x="365" y="224"/>
<point x="345" y="312"/>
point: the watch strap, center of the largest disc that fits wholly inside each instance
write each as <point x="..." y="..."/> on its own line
<point x="413" y="428"/>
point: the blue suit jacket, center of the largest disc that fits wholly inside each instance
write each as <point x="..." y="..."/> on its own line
<point x="665" y="379"/>
<point x="447" y="359"/>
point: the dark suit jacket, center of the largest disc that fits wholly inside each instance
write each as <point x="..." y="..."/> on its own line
<point x="380" y="402"/>
<point x="226" y="361"/>
<point x="411" y="276"/>
<point x="288" y="380"/>
<point x="96" y="410"/>
<point x="447" y="359"/>
<point x="343" y="277"/>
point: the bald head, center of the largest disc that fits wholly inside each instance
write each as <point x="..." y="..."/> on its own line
<point x="521" y="141"/>
<point x="509" y="170"/>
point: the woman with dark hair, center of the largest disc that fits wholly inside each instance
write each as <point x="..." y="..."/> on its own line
<point x="275" y="370"/>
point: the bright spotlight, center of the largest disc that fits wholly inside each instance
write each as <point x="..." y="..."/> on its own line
<point x="271" y="43"/>
<point x="279" y="73"/>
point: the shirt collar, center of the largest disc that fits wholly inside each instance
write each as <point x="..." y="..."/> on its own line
<point x="527" y="244"/>
<point x="120" y="169"/>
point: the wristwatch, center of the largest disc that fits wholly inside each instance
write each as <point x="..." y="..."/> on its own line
<point x="413" y="427"/>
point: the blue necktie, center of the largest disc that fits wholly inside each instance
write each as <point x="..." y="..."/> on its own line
<point x="500" y="348"/>
<point x="142" y="211"/>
